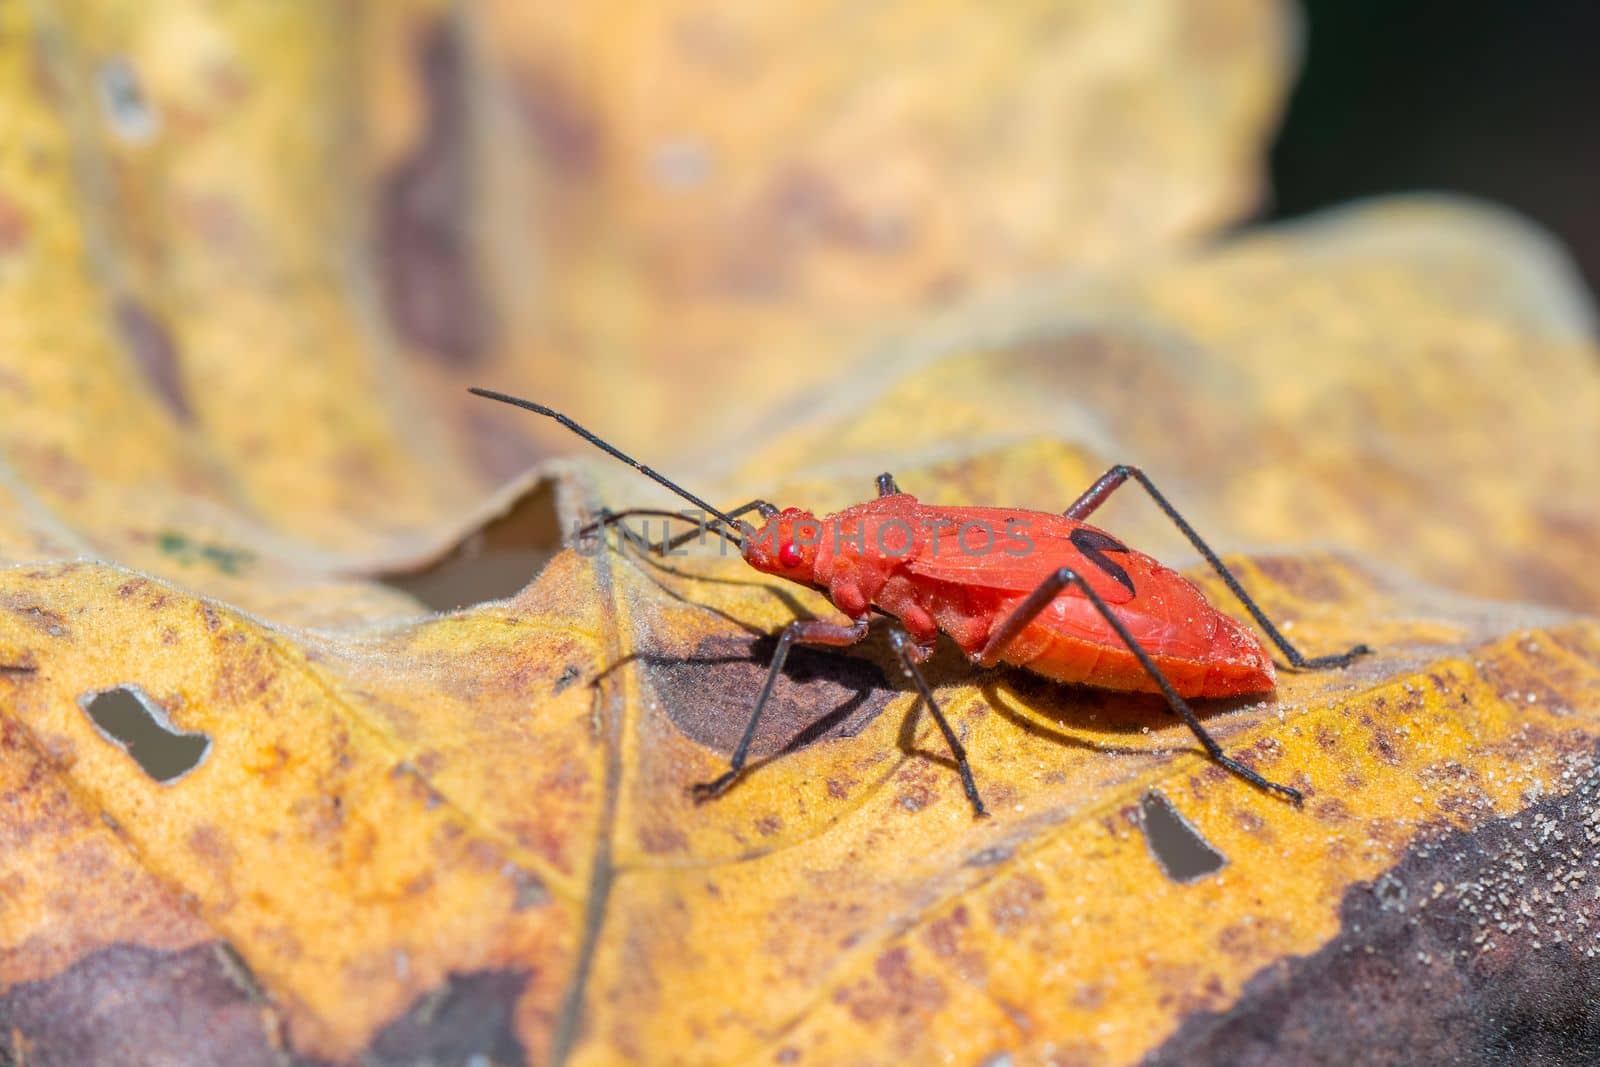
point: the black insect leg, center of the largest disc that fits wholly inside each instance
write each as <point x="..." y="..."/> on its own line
<point x="1047" y="591"/>
<point x="805" y="632"/>
<point x="1108" y="483"/>
<point x="902" y="644"/>
<point x="886" y="485"/>
<point x="608" y="518"/>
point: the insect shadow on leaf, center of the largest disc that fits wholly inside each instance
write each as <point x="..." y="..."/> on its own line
<point x="1048" y="710"/>
<point x="819" y="696"/>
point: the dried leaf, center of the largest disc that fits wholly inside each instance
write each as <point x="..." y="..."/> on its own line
<point x="237" y="472"/>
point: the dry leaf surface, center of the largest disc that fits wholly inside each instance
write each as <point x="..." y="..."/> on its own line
<point x="472" y="829"/>
<point x="244" y="474"/>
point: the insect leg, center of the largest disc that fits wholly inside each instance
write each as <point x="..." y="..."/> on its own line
<point x="1113" y="478"/>
<point x="902" y="645"/>
<point x="606" y="518"/>
<point x="886" y="485"/>
<point x="805" y="632"/>
<point x="1041" y="597"/>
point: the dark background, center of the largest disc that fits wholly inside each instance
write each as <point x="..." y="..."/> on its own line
<point x="1489" y="97"/>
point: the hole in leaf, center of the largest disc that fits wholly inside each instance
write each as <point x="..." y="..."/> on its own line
<point x="1179" y="849"/>
<point x="492" y="563"/>
<point x="128" y="718"/>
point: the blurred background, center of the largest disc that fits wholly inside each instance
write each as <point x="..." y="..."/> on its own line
<point x="1488" y="97"/>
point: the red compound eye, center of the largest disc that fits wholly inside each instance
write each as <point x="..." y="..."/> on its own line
<point x="790" y="555"/>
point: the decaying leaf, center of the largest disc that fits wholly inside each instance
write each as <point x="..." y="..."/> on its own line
<point x="237" y="479"/>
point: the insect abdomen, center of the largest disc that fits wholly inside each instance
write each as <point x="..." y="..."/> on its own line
<point x="1235" y="664"/>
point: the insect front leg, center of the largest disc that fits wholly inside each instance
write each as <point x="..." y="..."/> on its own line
<point x="910" y="656"/>
<point x="608" y="518"/>
<point x="1040" y="599"/>
<point x="1112" y="479"/>
<point x="805" y="632"/>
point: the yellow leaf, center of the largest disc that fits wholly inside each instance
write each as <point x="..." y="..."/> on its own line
<point x="239" y="296"/>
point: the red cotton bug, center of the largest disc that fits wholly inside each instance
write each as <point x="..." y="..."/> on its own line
<point x="1052" y="595"/>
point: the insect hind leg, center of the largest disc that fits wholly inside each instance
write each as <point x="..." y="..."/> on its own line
<point x="1040" y="599"/>
<point x="907" y="650"/>
<point x="1113" y="479"/>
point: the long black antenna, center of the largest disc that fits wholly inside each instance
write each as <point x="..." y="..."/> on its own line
<point x="648" y="472"/>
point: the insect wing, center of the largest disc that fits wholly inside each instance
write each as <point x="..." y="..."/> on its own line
<point x="1024" y="550"/>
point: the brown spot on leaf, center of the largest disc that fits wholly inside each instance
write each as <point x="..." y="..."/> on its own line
<point x="50" y="465"/>
<point x="130" y="1004"/>
<point x="1090" y="996"/>
<point x="1255" y="937"/>
<point x="1011" y="907"/>
<point x="915" y="796"/>
<point x="915" y="992"/>
<point x="430" y="279"/>
<point x="13" y="225"/>
<point x="1524" y="676"/>
<point x="211" y="845"/>
<point x="155" y="354"/>
<point x="1384" y="747"/>
<point x="321" y="817"/>
<point x="897" y="990"/>
<point x="944" y="934"/>
<point x="38" y="618"/>
<point x="1181" y="992"/>
<point x="1578" y="640"/>
<point x="822" y="695"/>
<point x="658" y="839"/>
<point x="218" y="220"/>
<point x="246" y="676"/>
<point x="565" y="130"/>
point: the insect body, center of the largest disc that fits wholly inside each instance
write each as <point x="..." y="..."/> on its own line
<point x="964" y="571"/>
<point x="1038" y="590"/>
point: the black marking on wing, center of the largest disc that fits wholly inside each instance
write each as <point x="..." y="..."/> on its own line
<point x="1094" y="545"/>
